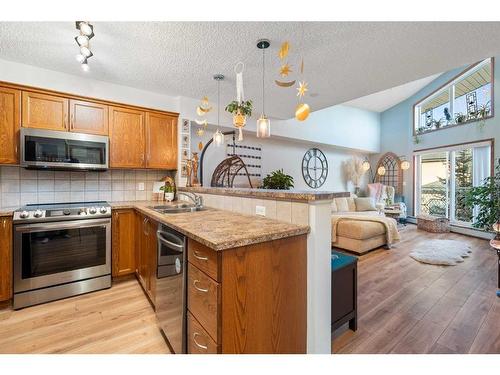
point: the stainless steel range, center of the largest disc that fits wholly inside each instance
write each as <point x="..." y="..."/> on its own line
<point x="61" y="250"/>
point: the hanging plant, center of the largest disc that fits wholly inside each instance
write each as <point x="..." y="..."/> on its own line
<point x="240" y="111"/>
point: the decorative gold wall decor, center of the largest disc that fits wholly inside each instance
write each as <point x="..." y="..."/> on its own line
<point x="194" y="163"/>
<point x="393" y="175"/>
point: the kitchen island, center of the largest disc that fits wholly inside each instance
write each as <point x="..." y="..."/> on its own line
<point x="246" y="276"/>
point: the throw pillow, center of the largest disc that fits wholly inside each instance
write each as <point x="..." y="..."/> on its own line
<point x="365" y="204"/>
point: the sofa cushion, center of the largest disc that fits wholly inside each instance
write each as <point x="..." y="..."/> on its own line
<point x="341" y="204"/>
<point x="359" y="230"/>
<point x="365" y="204"/>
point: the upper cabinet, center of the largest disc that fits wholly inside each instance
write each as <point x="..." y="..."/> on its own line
<point x="138" y="138"/>
<point x="88" y="117"/>
<point x="126" y="138"/>
<point x="161" y="141"/>
<point x="44" y="111"/>
<point x="10" y="121"/>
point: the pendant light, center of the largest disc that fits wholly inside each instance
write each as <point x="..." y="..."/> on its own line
<point x="263" y="123"/>
<point x="218" y="137"/>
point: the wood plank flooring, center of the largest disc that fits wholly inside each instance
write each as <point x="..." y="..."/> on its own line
<point x="408" y="307"/>
<point x="116" y="320"/>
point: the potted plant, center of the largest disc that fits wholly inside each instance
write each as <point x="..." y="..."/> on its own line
<point x="240" y="111"/>
<point x="169" y="192"/>
<point x="278" y="180"/>
<point x="460" y="118"/>
<point x="486" y="200"/>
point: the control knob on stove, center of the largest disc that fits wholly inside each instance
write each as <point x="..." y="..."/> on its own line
<point x="24" y="214"/>
<point x="38" y="213"/>
<point x="103" y="210"/>
<point x="92" y="210"/>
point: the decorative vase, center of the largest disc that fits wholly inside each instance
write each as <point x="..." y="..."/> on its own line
<point x="195" y="182"/>
<point x="189" y="171"/>
<point x="239" y="120"/>
<point x="169" y="197"/>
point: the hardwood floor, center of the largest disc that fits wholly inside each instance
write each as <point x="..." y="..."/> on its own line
<point x="116" y="320"/>
<point x="408" y="307"/>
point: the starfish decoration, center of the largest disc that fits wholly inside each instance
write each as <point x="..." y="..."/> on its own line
<point x="302" y="89"/>
<point x="285" y="70"/>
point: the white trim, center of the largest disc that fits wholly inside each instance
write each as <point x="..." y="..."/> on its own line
<point x="454" y="148"/>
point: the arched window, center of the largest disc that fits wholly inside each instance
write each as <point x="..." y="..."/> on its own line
<point x="393" y="175"/>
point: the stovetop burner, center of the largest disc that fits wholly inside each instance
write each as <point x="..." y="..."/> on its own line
<point x="62" y="211"/>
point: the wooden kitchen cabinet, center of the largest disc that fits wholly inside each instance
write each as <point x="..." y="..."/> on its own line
<point x="123" y="237"/>
<point x="88" y="117"/>
<point x="10" y="122"/>
<point x="43" y="111"/>
<point x="5" y="258"/>
<point x="126" y="138"/>
<point x="161" y="141"/>
<point x="146" y="245"/>
<point x="250" y="299"/>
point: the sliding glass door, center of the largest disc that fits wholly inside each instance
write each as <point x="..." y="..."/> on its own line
<point x="444" y="176"/>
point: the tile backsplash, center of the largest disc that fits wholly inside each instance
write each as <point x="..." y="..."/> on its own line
<point x="19" y="186"/>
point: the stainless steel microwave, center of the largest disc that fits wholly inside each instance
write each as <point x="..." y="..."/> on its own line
<point x="52" y="149"/>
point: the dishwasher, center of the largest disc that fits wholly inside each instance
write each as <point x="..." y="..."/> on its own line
<point x="171" y="287"/>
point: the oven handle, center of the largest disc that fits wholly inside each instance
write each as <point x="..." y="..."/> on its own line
<point x="62" y="225"/>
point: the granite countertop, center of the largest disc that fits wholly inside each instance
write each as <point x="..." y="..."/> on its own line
<point x="7" y="211"/>
<point x="288" y="195"/>
<point x="218" y="229"/>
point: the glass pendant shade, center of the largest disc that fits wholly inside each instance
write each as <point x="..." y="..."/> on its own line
<point x="218" y="138"/>
<point x="366" y="166"/>
<point x="405" y="165"/>
<point x="381" y="171"/>
<point x="263" y="127"/>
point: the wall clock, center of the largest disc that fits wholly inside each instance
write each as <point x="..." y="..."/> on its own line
<point x="314" y="168"/>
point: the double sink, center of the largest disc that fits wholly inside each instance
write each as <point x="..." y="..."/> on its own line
<point x="181" y="206"/>
<point x="176" y="208"/>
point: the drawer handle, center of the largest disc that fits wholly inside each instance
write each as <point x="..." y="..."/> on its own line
<point x="195" y="254"/>
<point x="199" y="289"/>
<point x="204" y="347"/>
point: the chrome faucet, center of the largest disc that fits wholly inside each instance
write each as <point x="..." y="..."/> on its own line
<point x="195" y="198"/>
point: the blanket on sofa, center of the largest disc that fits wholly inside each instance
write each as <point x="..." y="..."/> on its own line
<point x="391" y="228"/>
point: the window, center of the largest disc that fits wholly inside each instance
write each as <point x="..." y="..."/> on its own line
<point x="444" y="176"/>
<point x="466" y="98"/>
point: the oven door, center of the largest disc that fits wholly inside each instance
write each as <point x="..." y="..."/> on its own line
<point x="47" y="254"/>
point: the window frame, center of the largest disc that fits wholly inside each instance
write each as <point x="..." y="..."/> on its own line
<point x="450" y="84"/>
<point x="448" y="148"/>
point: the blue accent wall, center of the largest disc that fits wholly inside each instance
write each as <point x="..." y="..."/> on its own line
<point x="396" y="129"/>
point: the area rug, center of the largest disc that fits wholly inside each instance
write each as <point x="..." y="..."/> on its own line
<point x="441" y="252"/>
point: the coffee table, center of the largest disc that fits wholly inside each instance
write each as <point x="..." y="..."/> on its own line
<point x="392" y="213"/>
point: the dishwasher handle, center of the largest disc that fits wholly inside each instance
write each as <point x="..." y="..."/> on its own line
<point x="175" y="246"/>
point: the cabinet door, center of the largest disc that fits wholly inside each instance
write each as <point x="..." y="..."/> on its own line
<point x="126" y="138"/>
<point x="161" y="141"/>
<point x="152" y="259"/>
<point x="88" y="117"/>
<point x="5" y="258"/>
<point x="123" y="229"/>
<point x="140" y="241"/>
<point x="10" y="119"/>
<point x="44" y="111"/>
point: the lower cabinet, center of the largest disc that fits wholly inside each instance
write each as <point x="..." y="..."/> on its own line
<point x="146" y="256"/>
<point x="250" y="299"/>
<point x="123" y="237"/>
<point x="5" y="258"/>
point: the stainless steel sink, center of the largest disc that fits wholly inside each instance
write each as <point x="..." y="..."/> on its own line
<point x="176" y="208"/>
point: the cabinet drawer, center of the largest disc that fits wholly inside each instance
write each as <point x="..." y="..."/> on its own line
<point x="204" y="258"/>
<point x="203" y="300"/>
<point x="198" y="340"/>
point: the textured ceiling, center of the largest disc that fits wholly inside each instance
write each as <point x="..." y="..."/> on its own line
<point x="343" y="61"/>
<point x="383" y="100"/>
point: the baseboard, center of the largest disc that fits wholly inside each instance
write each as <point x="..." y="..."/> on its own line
<point x="472" y="232"/>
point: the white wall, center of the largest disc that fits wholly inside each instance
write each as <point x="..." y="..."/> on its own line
<point x="283" y="154"/>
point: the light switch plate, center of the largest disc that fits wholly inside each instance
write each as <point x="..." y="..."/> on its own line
<point x="260" y="210"/>
<point x="140" y="186"/>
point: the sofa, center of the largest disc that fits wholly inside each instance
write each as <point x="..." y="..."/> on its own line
<point x="353" y="233"/>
